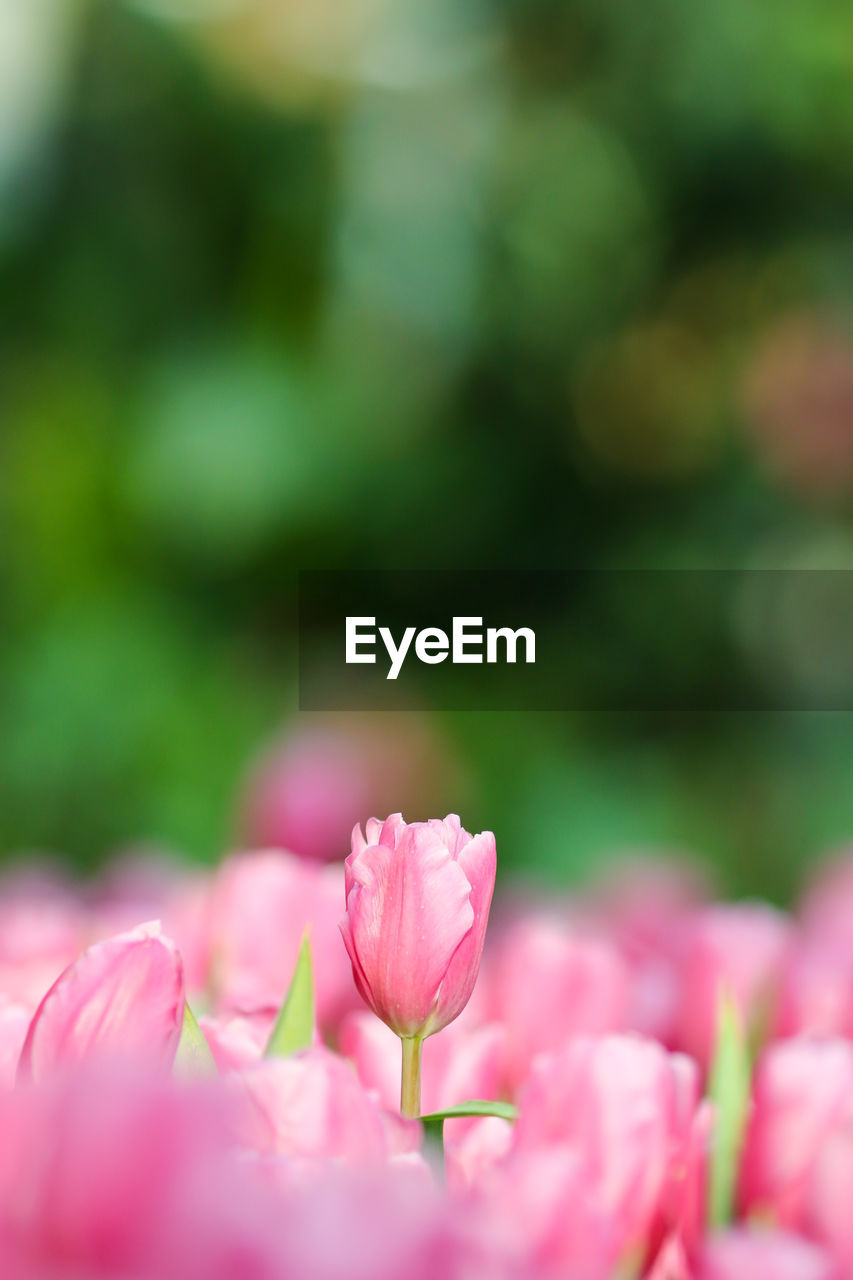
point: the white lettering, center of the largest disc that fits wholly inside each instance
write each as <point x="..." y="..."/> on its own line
<point x="396" y="654"/>
<point x="461" y="638"/>
<point x="354" y="639"/>
<point x="511" y="638"/>
<point x="432" y="645"/>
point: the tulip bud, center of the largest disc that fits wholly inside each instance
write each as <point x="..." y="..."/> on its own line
<point x="123" y="996"/>
<point x="417" y="899"/>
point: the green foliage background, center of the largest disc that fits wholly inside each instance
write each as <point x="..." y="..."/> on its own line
<point x="411" y="285"/>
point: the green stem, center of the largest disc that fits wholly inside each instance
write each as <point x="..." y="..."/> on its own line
<point x="410" y="1086"/>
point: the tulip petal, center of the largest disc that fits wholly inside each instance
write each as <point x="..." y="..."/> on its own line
<point x="478" y="860"/>
<point x="125" y="995"/>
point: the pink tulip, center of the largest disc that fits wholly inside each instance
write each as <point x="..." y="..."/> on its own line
<point x="816" y="991"/>
<point x="417" y="905"/>
<point x="550" y="979"/>
<point x="107" y="1173"/>
<point x="798" y="1157"/>
<point x="739" y="950"/>
<point x="312" y="1105"/>
<point x="261" y="905"/>
<point x="472" y="1148"/>
<point x="551" y="1217"/>
<point x="641" y="902"/>
<point x="237" y="1041"/>
<point x="628" y="1111"/>
<point x="817" y="985"/>
<point x="124" y="996"/>
<point x="741" y="1254"/>
<point x="827" y="906"/>
<point x="303" y="791"/>
<point x="373" y="1224"/>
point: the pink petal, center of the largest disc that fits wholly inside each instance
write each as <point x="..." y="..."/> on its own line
<point x="478" y="860"/>
<point x="122" y="996"/>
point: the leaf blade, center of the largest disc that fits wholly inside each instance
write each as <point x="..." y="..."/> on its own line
<point x="294" y="1026"/>
<point x="729" y="1085"/>
<point x="193" y="1056"/>
<point x="474" y="1107"/>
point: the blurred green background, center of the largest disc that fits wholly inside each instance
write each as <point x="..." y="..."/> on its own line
<point x="412" y="283"/>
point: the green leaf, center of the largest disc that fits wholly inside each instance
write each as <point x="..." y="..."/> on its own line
<point x="434" y="1123"/>
<point x="193" y="1057"/>
<point x="728" y="1089"/>
<point x="294" y="1027"/>
<point x="476" y="1107"/>
<point x="434" y="1131"/>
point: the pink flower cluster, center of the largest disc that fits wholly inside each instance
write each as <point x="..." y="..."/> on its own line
<point x="595" y="1015"/>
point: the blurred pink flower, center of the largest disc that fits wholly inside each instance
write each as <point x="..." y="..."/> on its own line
<point x="151" y="885"/>
<point x="312" y="1105"/>
<point x="628" y="1110"/>
<point x="106" y="1173"/>
<point x="548" y="979"/>
<point x="239" y="1040"/>
<point x="742" y="1254"/>
<point x="798" y="1158"/>
<point x="472" y="1147"/>
<point x="827" y="906"/>
<point x="816" y="991"/>
<point x="304" y="791"/>
<point x="816" y="995"/>
<point x="739" y="950"/>
<point x="374" y="1224"/>
<point x="261" y="905"/>
<point x="303" y="794"/>
<point x="640" y="903"/>
<point x="551" y="1216"/>
<point x="417" y="906"/>
<point x="124" y="997"/>
<point x="42" y="929"/>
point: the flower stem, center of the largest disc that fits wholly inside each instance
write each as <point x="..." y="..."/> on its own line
<point x="410" y="1086"/>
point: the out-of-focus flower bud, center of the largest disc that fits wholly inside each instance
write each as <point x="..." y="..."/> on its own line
<point x="798" y="1157"/>
<point x="261" y="905"/>
<point x="304" y="791"/>
<point x="312" y="1105"/>
<point x="123" y="997"/>
<point x="738" y="951"/>
<point x="549" y="979"/>
<point x="628" y="1111"/>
